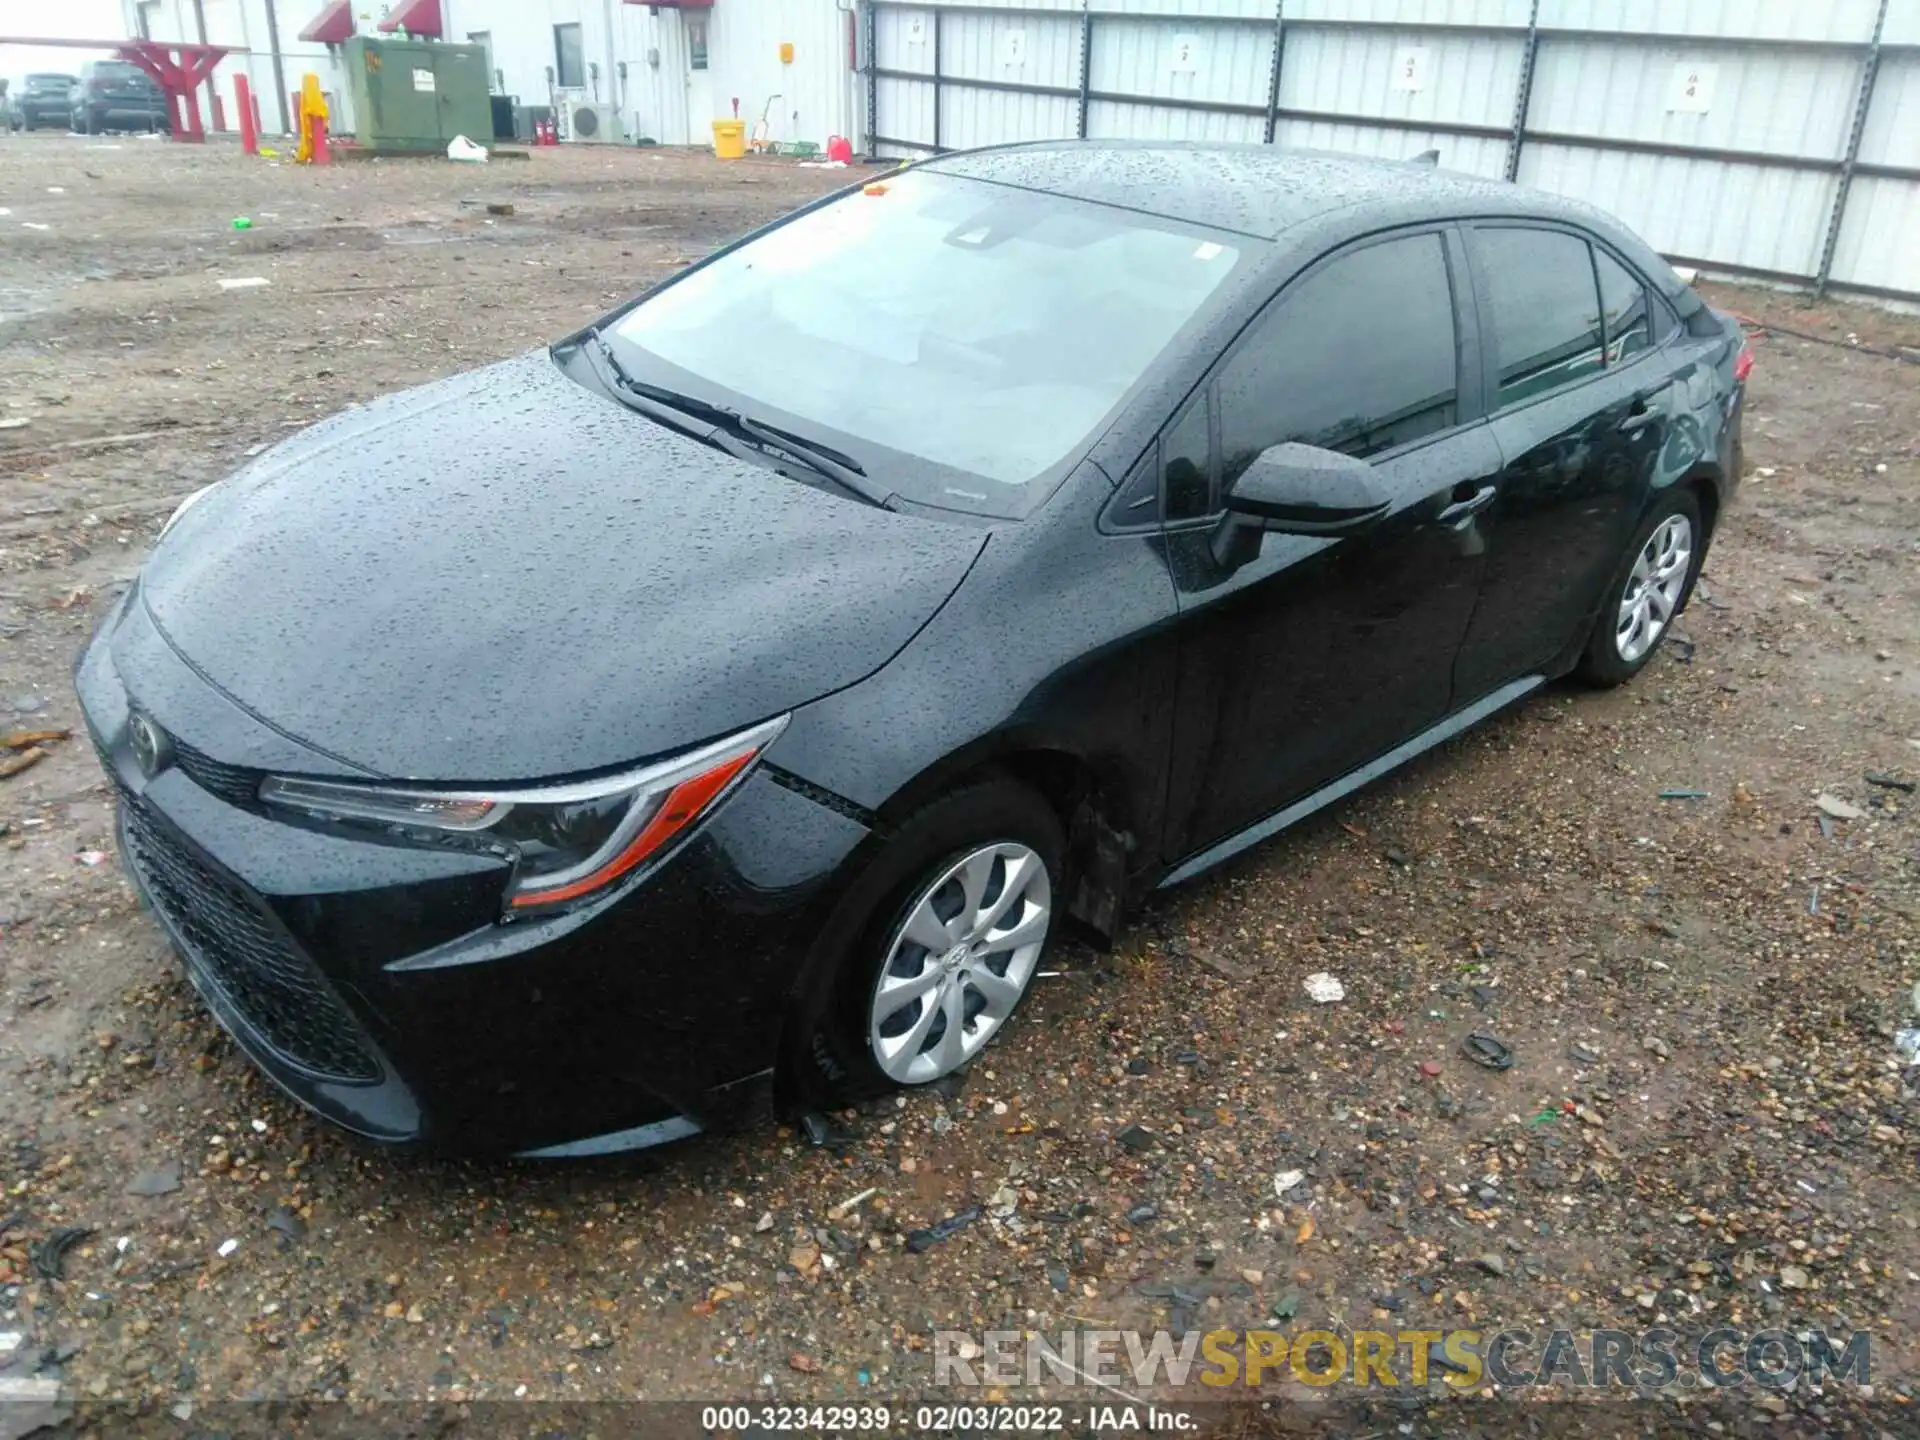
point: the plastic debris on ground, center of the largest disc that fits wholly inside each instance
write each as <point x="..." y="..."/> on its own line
<point x="48" y="1256"/>
<point x="1839" y="809"/>
<point x="1323" y="989"/>
<point x="245" y="282"/>
<point x="163" y="1179"/>
<point x="923" y="1240"/>
<point x="1136" y="1137"/>
<point x="462" y="149"/>
<point x="846" y="1207"/>
<point x="1486" y="1050"/>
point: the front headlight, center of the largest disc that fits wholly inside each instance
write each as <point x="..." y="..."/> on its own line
<point x="567" y="841"/>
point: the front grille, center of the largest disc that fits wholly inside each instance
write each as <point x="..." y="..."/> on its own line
<point x="234" y="784"/>
<point x="239" y="950"/>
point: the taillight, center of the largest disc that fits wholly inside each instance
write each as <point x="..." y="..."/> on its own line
<point x="1743" y="362"/>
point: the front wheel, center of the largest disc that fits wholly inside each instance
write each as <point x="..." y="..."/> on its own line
<point x="1650" y="591"/>
<point x="963" y="903"/>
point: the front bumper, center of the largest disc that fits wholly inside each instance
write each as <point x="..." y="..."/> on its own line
<point x="376" y="984"/>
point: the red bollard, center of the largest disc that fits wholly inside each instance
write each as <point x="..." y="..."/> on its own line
<point x="320" y="155"/>
<point x="249" y="116"/>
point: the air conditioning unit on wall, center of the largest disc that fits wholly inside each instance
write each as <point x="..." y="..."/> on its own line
<point x="593" y="124"/>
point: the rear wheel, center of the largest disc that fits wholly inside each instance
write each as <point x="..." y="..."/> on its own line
<point x="1651" y="590"/>
<point x="946" y="949"/>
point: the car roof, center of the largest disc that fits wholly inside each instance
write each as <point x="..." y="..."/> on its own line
<point x="1258" y="190"/>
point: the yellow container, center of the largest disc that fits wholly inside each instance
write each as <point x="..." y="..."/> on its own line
<point x="729" y="139"/>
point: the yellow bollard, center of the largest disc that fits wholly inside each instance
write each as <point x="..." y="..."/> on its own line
<point x="313" y="123"/>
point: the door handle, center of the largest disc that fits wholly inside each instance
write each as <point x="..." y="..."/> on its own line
<point x="1642" y="415"/>
<point x="1468" y="500"/>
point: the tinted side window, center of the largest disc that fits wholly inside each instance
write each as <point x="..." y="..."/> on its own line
<point x="1359" y="357"/>
<point x="1623" y="310"/>
<point x="1546" y="314"/>
<point x="1184" y="461"/>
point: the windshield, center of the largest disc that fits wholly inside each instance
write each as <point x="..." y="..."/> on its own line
<point x="979" y="327"/>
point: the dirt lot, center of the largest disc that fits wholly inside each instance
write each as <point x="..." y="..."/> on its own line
<point x="1705" y="1123"/>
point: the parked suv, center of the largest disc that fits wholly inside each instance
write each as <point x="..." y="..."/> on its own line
<point x="42" y="99"/>
<point x="115" y="95"/>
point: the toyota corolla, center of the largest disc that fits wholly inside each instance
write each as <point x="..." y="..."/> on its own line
<point x="733" y="700"/>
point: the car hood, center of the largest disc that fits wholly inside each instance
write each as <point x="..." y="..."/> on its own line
<point x="508" y="576"/>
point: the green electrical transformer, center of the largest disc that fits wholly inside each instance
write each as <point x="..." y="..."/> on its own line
<point x="413" y="96"/>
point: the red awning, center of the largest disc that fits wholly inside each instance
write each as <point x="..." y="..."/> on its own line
<point x="332" y="26"/>
<point x="416" y="17"/>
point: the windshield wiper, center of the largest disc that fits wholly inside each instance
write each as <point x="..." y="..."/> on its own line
<point x="629" y="393"/>
<point x="823" y="460"/>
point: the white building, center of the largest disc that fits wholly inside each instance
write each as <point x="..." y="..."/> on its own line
<point x="671" y="67"/>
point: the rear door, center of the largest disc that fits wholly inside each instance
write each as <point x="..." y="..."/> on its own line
<point x="1582" y="403"/>
<point x="1320" y="654"/>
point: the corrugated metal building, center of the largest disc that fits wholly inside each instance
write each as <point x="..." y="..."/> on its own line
<point x="669" y="68"/>
<point x="1774" y="138"/>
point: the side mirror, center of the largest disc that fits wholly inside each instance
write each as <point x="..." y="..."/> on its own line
<point x="1298" y="490"/>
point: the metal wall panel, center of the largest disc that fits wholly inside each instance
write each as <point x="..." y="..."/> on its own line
<point x="1464" y="79"/>
<point x="1877" y="242"/>
<point x="1877" y="245"/>
<point x="1892" y="132"/>
<point x="1413" y="12"/>
<point x="908" y="108"/>
<point x="1755" y="216"/>
<point x="1255" y="10"/>
<point x="1718" y="128"/>
<point x="1221" y="63"/>
<point x="1903" y="23"/>
<point x="1783" y="102"/>
<point x="1468" y="153"/>
<point x="1842" y="20"/>
<point x="1160" y="122"/>
<point x="1020" y="49"/>
<point x="984" y="117"/>
<point x="903" y="38"/>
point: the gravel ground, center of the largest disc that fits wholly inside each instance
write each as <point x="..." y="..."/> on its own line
<point x="1705" y="1122"/>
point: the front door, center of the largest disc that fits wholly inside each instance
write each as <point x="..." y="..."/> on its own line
<point x="1321" y="654"/>
<point x="700" y="111"/>
<point x="1581" y="408"/>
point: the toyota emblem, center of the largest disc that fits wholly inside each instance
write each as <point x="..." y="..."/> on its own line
<point x="149" y="741"/>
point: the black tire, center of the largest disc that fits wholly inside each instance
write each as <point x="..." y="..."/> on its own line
<point x="832" y="1058"/>
<point x="1603" y="664"/>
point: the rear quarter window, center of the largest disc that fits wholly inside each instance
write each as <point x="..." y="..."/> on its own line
<point x="1546" y="310"/>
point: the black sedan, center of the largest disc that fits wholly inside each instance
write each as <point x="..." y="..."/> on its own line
<point x="731" y="702"/>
